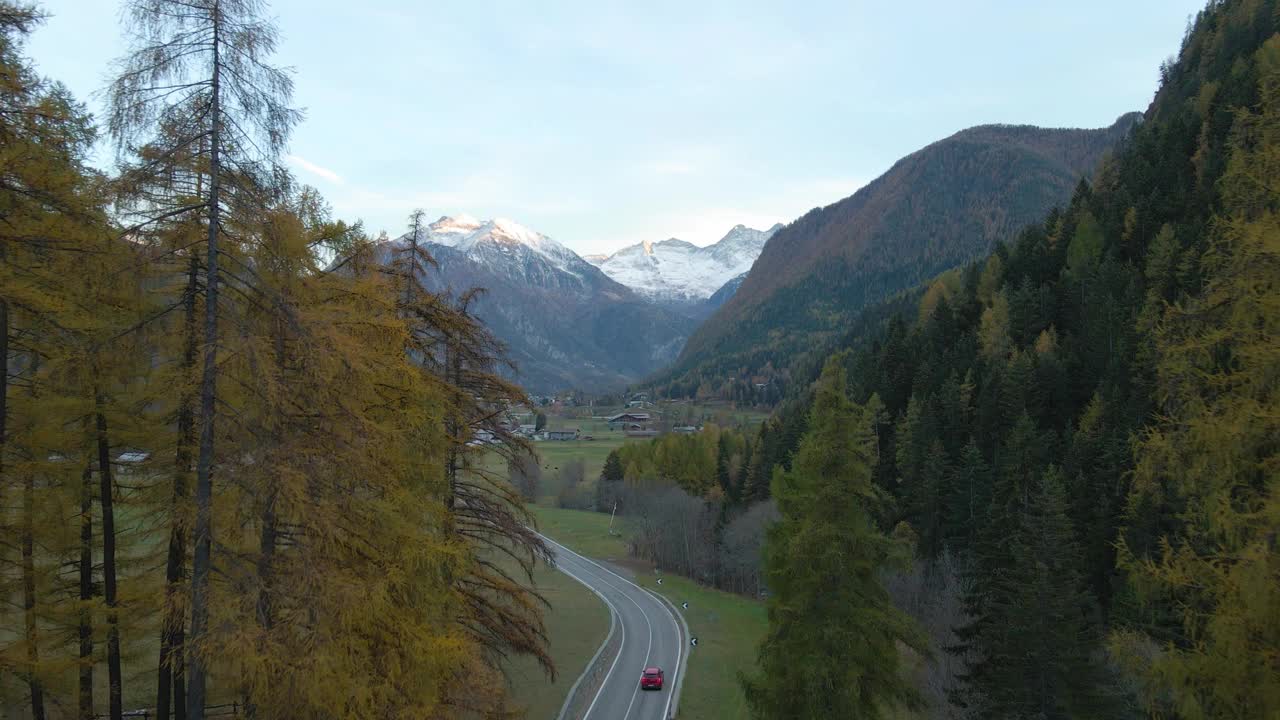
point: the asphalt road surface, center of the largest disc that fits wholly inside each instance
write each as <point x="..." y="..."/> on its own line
<point x="650" y="636"/>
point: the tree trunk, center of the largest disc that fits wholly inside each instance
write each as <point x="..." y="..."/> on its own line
<point x="29" y="596"/>
<point x="106" y="493"/>
<point x="208" y="408"/>
<point x="267" y="537"/>
<point x="31" y="628"/>
<point x="266" y="558"/>
<point x="169" y="683"/>
<point x="453" y="426"/>
<point x="86" y="594"/>
<point x="4" y="378"/>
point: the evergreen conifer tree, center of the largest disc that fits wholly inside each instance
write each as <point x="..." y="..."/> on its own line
<point x="834" y="636"/>
<point x="1038" y="643"/>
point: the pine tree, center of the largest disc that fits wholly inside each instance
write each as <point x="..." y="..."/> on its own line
<point x="1018" y="464"/>
<point x="968" y="501"/>
<point x="935" y="489"/>
<point x="833" y="642"/>
<point x="1039" y="641"/>
<point x="609" y="486"/>
<point x="723" y="480"/>
<point x="760" y="470"/>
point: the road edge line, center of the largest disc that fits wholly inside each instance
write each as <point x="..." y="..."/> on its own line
<point x="613" y="626"/>
<point x="673" y="705"/>
<point x="684" y="658"/>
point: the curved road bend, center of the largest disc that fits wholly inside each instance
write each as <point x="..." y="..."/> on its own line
<point x="650" y="636"/>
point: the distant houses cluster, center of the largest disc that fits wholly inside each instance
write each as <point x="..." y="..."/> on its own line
<point x="638" y="419"/>
<point x="485" y="437"/>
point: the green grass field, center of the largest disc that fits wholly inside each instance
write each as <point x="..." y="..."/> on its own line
<point x="576" y="623"/>
<point x="728" y="627"/>
<point x="555" y="454"/>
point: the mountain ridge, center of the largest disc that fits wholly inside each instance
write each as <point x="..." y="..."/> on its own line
<point x="675" y="270"/>
<point x="565" y="323"/>
<point x="938" y="207"/>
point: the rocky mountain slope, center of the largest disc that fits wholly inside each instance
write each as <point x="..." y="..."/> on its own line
<point x="565" y="322"/>
<point x="937" y="208"/>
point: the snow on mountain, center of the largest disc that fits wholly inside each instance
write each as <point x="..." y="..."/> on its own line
<point x="499" y="240"/>
<point x="677" y="270"/>
<point x="565" y="323"/>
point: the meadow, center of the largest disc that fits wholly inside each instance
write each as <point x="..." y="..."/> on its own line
<point x="576" y="622"/>
<point x="728" y="627"/>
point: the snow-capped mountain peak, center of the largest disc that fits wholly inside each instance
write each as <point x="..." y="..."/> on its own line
<point x="456" y="224"/>
<point x="668" y="270"/>
<point x="512" y="231"/>
<point x="674" y="269"/>
<point x="469" y="235"/>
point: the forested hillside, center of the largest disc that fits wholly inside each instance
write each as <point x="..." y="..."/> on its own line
<point x="233" y="470"/>
<point x="937" y="208"/>
<point x="1088" y="418"/>
<point x="1076" y="438"/>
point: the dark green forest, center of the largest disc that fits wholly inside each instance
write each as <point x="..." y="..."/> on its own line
<point x="1082" y="429"/>
<point x="1089" y="416"/>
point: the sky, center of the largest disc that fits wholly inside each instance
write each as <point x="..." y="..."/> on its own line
<point x="603" y="124"/>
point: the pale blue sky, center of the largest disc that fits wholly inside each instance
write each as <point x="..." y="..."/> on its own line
<point x="606" y="123"/>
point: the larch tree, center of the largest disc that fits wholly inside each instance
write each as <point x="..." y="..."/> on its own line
<point x="503" y="612"/>
<point x="197" y="83"/>
<point x="1213" y="457"/>
<point x="172" y="266"/>
<point x="485" y="515"/>
<point x="51" y="210"/>
<point x="834" y="637"/>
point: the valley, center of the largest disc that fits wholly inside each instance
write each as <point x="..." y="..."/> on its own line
<point x="825" y="387"/>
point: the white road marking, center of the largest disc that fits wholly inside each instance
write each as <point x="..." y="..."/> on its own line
<point x="679" y="645"/>
<point x="617" y="656"/>
<point x="674" y="623"/>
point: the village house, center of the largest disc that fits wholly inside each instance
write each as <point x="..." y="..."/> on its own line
<point x="630" y="421"/>
<point x="561" y="435"/>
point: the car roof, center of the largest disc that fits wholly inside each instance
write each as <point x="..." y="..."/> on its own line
<point x="653" y="669"/>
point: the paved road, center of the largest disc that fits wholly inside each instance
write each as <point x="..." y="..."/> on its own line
<point x="650" y="636"/>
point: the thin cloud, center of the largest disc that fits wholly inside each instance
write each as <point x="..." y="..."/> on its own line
<point x="673" y="168"/>
<point x="315" y="169"/>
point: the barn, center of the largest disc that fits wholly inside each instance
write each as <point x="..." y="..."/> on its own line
<point x="630" y="421"/>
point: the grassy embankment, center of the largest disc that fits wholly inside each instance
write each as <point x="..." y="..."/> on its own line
<point x="577" y="623"/>
<point x="728" y="627"/>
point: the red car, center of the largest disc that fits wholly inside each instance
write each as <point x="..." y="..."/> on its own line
<point x="651" y="679"/>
